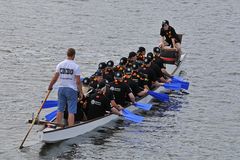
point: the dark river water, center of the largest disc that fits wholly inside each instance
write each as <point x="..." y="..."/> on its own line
<point x="204" y="124"/>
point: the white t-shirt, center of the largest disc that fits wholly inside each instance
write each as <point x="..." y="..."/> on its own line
<point x="67" y="70"/>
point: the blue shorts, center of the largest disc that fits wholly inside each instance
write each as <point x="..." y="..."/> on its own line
<point x="67" y="96"/>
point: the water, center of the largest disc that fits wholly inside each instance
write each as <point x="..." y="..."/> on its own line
<point x="204" y="124"/>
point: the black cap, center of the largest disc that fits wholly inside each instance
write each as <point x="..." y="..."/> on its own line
<point x="98" y="73"/>
<point x="128" y="70"/>
<point x="141" y="49"/>
<point x="86" y="81"/>
<point x="118" y="74"/>
<point x="102" y="65"/>
<point x="110" y="63"/>
<point x="132" y="54"/>
<point x="135" y="66"/>
<point x="100" y="85"/>
<point x="150" y="55"/>
<point x="123" y="61"/>
<point x="147" y="60"/>
<point x="165" y="22"/>
<point x="156" y="49"/>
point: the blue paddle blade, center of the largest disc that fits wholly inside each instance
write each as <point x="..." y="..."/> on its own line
<point x="49" y="117"/>
<point x="177" y="78"/>
<point x="172" y="86"/>
<point x="131" y="116"/>
<point x="184" y="84"/>
<point x="143" y="106"/>
<point x="160" y="96"/>
<point x="50" y="104"/>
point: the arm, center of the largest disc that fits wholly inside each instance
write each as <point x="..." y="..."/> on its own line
<point x="166" y="73"/>
<point x="79" y="85"/>
<point x="53" y="81"/>
<point x="132" y="97"/>
<point x="115" y="111"/>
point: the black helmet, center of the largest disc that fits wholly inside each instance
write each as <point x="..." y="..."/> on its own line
<point x="101" y="84"/>
<point x="98" y="73"/>
<point x="132" y="54"/>
<point x="128" y="70"/>
<point x="86" y="81"/>
<point x="156" y="49"/>
<point x="165" y="22"/>
<point x="141" y="49"/>
<point x="123" y="61"/>
<point x="102" y="65"/>
<point x="110" y="63"/>
<point x="118" y="74"/>
<point x="147" y="60"/>
<point x="135" y="66"/>
<point x="150" y="55"/>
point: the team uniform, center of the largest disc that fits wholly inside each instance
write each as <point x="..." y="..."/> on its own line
<point x="120" y="91"/>
<point x="97" y="105"/>
<point x="149" y="74"/>
<point x="169" y="34"/>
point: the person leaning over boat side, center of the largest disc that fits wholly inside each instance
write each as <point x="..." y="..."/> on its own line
<point x="98" y="104"/>
<point x="68" y="72"/>
<point x="157" y="59"/>
<point x="149" y="73"/>
<point x="138" y="77"/>
<point x="121" y="90"/>
<point x="136" y="90"/>
<point x="157" y="69"/>
<point x="171" y="38"/>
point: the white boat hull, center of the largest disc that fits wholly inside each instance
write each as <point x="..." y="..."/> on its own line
<point x="49" y="135"/>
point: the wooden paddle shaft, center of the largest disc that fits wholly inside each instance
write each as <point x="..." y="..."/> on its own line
<point x="39" y="110"/>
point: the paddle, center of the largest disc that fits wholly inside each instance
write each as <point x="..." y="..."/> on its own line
<point x="184" y="84"/>
<point x="49" y="117"/>
<point x="131" y="116"/>
<point x="50" y="104"/>
<point x="172" y="86"/>
<point x="160" y="96"/>
<point x="36" y="115"/>
<point x="143" y="105"/>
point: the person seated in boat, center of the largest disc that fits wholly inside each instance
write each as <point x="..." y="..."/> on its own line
<point x="122" y="65"/>
<point x="98" y="104"/>
<point x="121" y="90"/>
<point x="157" y="59"/>
<point x="108" y="73"/>
<point x="138" y="77"/>
<point x="157" y="69"/>
<point x="95" y="79"/>
<point x="149" y="73"/>
<point x="141" y="55"/>
<point x="132" y="58"/>
<point x="137" y="91"/>
<point x="170" y="38"/>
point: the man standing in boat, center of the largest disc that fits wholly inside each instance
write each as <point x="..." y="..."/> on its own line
<point x="171" y="39"/>
<point x="68" y="72"/>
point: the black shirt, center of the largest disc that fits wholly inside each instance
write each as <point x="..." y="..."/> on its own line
<point x="169" y="34"/>
<point x="120" y="91"/>
<point x="156" y="69"/>
<point x="150" y="75"/>
<point x="97" y="105"/>
<point x="133" y="85"/>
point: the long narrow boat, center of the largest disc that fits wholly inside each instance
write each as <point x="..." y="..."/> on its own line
<point x="50" y="135"/>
